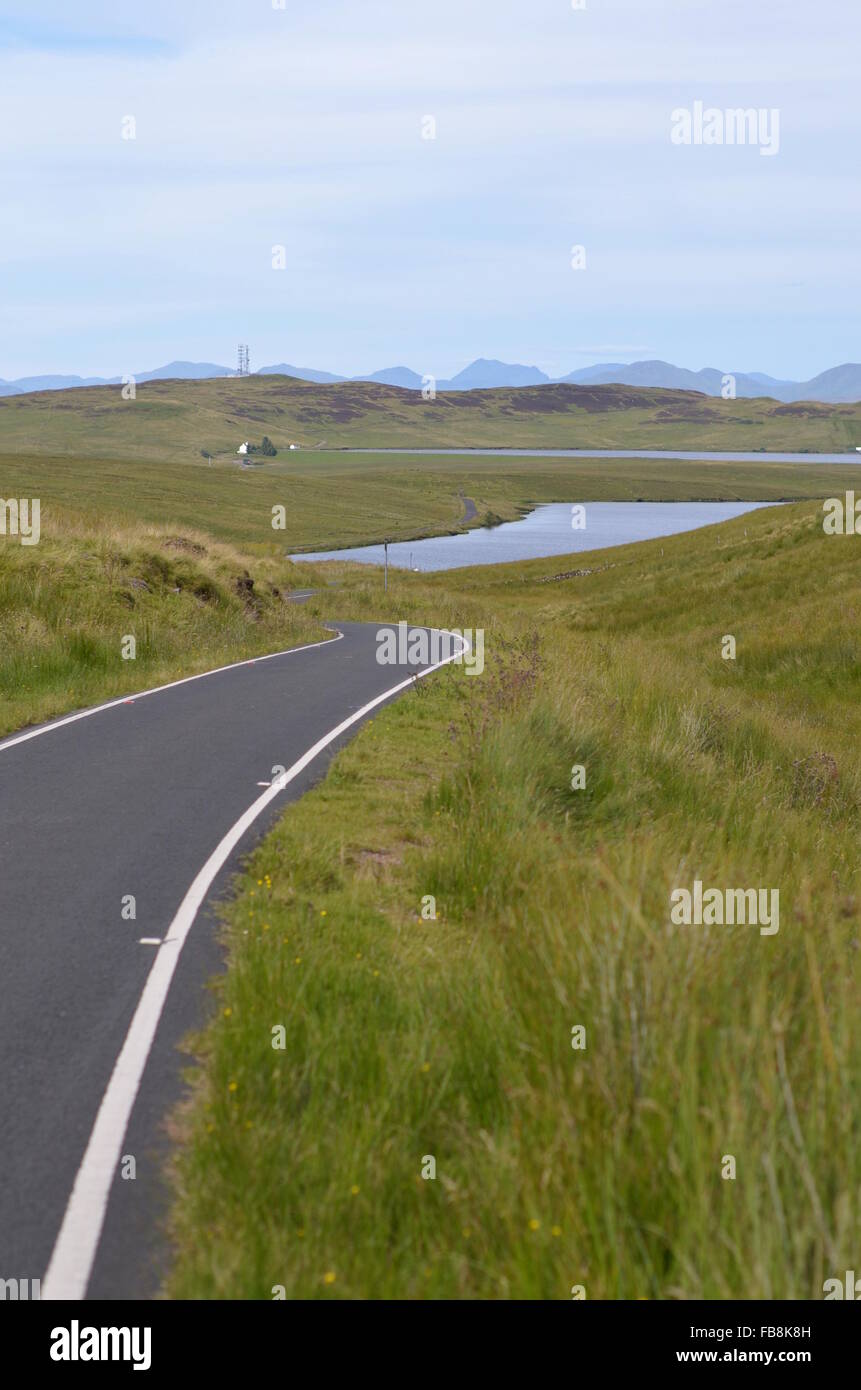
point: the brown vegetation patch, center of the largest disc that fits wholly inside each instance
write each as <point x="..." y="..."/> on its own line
<point x="180" y="543"/>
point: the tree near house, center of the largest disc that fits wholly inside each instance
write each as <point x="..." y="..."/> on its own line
<point x="266" y="448"/>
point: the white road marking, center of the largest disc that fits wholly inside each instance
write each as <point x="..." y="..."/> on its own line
<point x="75" y="1249"/>
<point x="156" y="690"/>
<point x="150" y="941"/>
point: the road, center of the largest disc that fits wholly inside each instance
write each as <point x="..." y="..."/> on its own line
<point x="157" y="797"/>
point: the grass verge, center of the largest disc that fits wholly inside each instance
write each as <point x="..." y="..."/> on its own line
<point x="70" y="605"/>
<point x="406" y="1039"/>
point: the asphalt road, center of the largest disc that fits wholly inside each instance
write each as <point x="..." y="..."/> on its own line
<point x="132" y="800"/>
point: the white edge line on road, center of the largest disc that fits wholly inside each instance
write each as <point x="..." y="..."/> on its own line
<point x="76" y="1245"/>
<point x="156" y="690"/>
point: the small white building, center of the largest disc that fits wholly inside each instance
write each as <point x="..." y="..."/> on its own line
<point x="294" y="446"/>
<point x="243" y="448"/>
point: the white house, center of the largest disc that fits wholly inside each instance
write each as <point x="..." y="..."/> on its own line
<point x="243" y="448"/>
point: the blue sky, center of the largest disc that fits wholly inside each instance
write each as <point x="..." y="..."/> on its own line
<point x="302" y="127"/>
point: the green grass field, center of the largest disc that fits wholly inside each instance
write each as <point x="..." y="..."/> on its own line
<point x="334" y="499"/>
<point x="408" y="1039"/>
<point x="68" y="604"/>
<point x="174" y="420"/>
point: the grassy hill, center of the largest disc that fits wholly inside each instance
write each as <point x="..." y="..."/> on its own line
<point x="189" y="532"/>
<point x="176" y="419"/>
<point x="451" y="1039"/>
<point x="68" y="603"/>
<point x="333" y="499"/>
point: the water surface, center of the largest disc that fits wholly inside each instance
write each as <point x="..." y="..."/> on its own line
<point x="546" y="531"/>
<point x="752" y="456"/>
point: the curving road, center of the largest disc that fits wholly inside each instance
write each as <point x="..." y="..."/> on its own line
<point x="158" y="797"/>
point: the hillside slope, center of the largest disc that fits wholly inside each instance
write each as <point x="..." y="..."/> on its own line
<point x="69" y="605"/>
<point x="407" y="1038"/>
<point x="178" y="419"/>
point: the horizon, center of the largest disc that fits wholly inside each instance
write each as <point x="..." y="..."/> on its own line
<point x="354" y="182"/>
<point x="266" y="368"/>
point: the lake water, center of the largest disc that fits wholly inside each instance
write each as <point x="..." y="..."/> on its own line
<point x="546" y="531"/>
<point x="756" y="456"/>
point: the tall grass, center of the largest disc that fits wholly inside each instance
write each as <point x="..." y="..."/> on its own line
<point x="67" y="604"/>
<point x="407" y="1038"/>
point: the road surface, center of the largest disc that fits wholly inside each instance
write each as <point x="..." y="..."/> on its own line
<point x="157" y="797"/>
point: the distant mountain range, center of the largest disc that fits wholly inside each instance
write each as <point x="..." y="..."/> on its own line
<point x="838" y="384"/>
<point x="835" y="385"/>
<point x="190" y="371"/>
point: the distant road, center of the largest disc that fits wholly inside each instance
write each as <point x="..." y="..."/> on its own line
<point x="156" y="796"/>
<point x="701" y="457"/>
